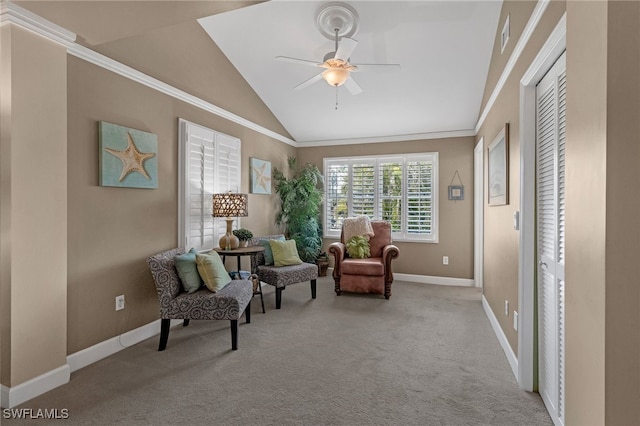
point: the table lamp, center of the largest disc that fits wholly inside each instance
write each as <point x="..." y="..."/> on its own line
<point x="229" y="205"/>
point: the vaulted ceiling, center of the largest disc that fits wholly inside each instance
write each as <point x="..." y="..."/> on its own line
<point x="443" y="48"/>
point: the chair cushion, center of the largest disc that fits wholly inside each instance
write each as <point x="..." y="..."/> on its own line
<point x="228" y="303"/>
<point x="281" y="276"/>
<point x="268" y="253"/>
<point x="285" y="253"/>
<point x="187" y="271"/>
<point x="372" y="266"/>
<point x="212" y="271"/>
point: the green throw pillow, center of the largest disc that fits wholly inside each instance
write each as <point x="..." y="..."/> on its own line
<point x="187" y="271"/>
<point x="268" y="254"/>
<point x="212" y="271"/>
<point x="358" y="247"/>
<point x="285" y="253"/>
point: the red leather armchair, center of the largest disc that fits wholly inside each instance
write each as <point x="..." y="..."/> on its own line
<point x="372" y="275"/>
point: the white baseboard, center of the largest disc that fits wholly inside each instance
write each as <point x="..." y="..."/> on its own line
<point x="428" y="279"/>
<point x="506" y="347"/>
<point x="10" y="397"/>
<point x="16" y="395"/>
<point x="109" y="347"/>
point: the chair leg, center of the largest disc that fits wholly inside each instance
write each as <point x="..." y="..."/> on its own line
<point x="164" y="333"/>
<point x="247" y="313"/>
<point x="185" y="323"/>
<point x="234" y="335"/>
<point x="261" y="298"/>
<point x="278" y="297"/>
<point x="337" y="287"/>
<point x="313" y="289"/>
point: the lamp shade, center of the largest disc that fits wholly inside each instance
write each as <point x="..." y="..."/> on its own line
<point x="230" y="204"/>
<point x="335" y="76"/>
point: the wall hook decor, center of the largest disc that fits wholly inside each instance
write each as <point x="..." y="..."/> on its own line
<point x="456" y="192"/>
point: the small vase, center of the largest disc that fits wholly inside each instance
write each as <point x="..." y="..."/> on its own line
<point x="244" y="243"/>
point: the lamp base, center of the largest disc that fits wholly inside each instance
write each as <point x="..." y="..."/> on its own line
<point x="229" y="241"/>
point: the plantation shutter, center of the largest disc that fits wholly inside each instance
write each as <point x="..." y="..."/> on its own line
<point x="363" y="188"/>
<point x="419" y="196"/>
<point x="390" y="185"/>
<point x="336" y="194"/>
<point x="210" y="164"/>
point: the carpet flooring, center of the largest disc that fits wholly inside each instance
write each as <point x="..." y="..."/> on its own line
<point x="427" y="356"/>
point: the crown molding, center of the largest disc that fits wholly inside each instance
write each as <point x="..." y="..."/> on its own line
<point x="14" y="14"/>
<point x="119" y="68"/>
<point x="533" y="22"/>
<point x="394" y="138"/>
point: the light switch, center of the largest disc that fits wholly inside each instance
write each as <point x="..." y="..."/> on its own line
<point x="516" y="221"/>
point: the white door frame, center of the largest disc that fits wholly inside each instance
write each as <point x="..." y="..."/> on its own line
<point x="552" y="49"/>
<point x="478" y="216"/>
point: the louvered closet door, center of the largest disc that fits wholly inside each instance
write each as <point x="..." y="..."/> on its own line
<point x="550" y="171"/>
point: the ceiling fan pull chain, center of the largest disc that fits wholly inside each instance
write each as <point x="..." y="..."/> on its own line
<point x="336" y="98"/>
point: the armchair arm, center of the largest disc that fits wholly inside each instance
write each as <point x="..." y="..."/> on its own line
<point x="389" y="253"/>
<point x="337" y="249"/>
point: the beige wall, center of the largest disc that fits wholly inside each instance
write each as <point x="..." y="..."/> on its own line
<point x="33" y="195"/>
<point x="622" y="353"/>
<point x="455" y="217"/>
<point x="603" y="237"/>
<point x="113" y="230"/>
<point x="184" y="56"/>
<point x="586" y="164"/>
<point x="501" y="243"/>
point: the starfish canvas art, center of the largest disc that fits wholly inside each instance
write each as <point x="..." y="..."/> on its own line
<point x="128" y="157"/>
<point x="260" y="176"/>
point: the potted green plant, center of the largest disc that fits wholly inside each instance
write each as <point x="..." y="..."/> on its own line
<point x="323" y="264"/>
<point x="300" y="200"/>
<point x="244" y="235"/>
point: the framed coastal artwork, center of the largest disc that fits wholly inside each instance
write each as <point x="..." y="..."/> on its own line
<point x="128" y="157"/>
<point x="498" y="168"/>
<point x="260" y="176"/>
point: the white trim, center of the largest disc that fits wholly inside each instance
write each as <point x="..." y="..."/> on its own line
<point x="544" y="60"/>
<point x="428" y="279"/>
<point x="139" y="77"/>
<point x="538" y="11"/>
<point x="109" y="347"/>
<point x="395" y="138"/>
<point x="478" y="213"/>
<point x="14" y="14"/>
<point x="16" y="395"/>
<point x="506" y="347"/>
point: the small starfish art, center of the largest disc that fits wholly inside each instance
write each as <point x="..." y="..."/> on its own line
<point x="132" y="159"/>
<point x="262" y="177"/>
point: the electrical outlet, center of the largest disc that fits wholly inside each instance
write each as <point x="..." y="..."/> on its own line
<point x="445" y="260"/>
<point x="120" y="302"/>
<point x="506" y="308"/>
<point x="515" y="320"/>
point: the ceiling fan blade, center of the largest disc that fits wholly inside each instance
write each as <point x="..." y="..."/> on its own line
<point x="297" y="61"/>
<point x="345" y="48"/>
<point x="309" y="82"/>
<point x="377" y="67"/>
<point x="353" y="87"/>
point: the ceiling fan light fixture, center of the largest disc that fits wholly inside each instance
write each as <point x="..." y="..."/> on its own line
<point x="335" y="76"/>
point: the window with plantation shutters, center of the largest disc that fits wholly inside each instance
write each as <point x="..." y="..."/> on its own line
<point x="209" y="163"/>
<point x="400" y="189"/>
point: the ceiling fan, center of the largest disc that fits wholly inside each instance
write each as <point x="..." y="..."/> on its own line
<point x="339" y="21"/>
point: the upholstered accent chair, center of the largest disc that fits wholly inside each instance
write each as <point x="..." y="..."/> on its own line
<point x="281" y="276"/>
<point x="370" y="275"/>
<point x="226" y="304"/>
